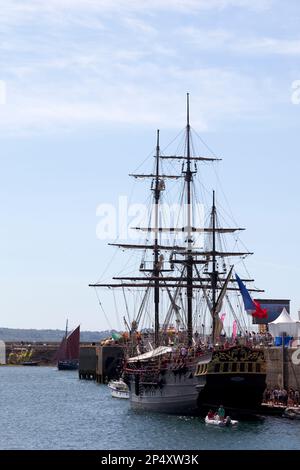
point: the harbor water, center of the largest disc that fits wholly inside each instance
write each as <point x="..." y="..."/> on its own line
<point x="42" y="408"/>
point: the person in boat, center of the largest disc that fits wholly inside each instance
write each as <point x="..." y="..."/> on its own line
<point x="211" y="415"/>
<point x="221" y="413"/>
<point x="228" y="421"/>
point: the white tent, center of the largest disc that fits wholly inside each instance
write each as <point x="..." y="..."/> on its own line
<point x="285" y="324"/>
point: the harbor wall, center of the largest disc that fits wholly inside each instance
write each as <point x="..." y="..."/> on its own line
<point x="282" y="372"/>
<point x="43" y="353"/>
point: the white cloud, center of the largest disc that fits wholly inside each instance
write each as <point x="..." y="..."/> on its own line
<point x="14" y="9"/>
<point x="144" y="95"/>
<point x="267" y="45"/>
<point x="139" y="25"/>
<point x="84" y="64"/>
<point x="230" y="41"/>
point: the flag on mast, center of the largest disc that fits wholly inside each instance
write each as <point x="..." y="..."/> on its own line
<point x="251" y="306"/>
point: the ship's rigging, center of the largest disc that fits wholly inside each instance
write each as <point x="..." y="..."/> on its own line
<point x="198" y="275"/>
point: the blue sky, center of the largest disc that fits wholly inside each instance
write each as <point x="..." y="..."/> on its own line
<point x="87" y="84"/>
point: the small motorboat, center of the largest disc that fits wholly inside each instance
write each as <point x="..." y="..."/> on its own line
<point x="227" y="422"/>
<point x="119" y="389"/>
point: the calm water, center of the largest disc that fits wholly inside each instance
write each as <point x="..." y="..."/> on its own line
<point x="42" y="408"/>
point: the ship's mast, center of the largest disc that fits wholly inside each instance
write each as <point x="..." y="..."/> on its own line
<point x="156" y="245"/>
<point x="214" y="273"/>
<point x="67" y="322"/>
<point x="189" y="257"/>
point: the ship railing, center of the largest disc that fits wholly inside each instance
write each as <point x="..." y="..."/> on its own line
<point x="145" y="370"/>
<point x="155" y="384"/>
<point x="252" y="341"/>
<point x="271" y="342"/>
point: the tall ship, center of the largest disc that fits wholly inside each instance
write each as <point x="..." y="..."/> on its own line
<point x="68" y="352"/>
<point x="195" y="352"/>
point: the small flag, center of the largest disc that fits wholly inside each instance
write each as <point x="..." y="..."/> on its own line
<point x="234" y="329"/>
<point x="251" y="306"/>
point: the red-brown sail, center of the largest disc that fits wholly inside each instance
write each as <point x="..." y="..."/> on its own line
<point x="69" y="348"/>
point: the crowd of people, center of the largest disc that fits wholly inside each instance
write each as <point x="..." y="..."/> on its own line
<point x="282" y="397"/>
<point x="259" y="338"/>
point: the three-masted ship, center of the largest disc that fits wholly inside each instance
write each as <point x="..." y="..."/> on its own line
<point x="174" y="367"/>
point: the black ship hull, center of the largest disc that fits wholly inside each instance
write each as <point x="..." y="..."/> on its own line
<point x="235" y="378"/>
<point x="243" y="393"/>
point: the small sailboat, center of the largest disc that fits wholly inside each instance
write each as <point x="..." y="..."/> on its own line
<point x="68" y="352"/>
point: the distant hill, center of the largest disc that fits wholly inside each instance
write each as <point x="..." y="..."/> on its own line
<point x="11" y="334"/>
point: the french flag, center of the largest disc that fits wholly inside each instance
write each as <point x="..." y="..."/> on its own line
<point x="251" y="306"/>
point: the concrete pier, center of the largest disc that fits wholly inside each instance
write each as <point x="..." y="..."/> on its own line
<point x="109" y="363"/>
<point x="87" y="362"/>
<point x="100" y="363"/>
<point x="282" y="372"/>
